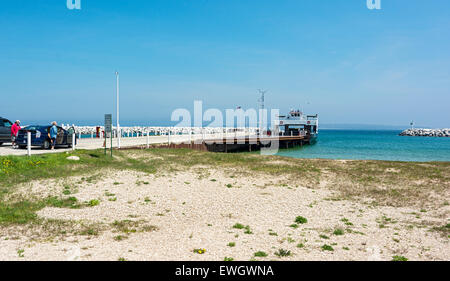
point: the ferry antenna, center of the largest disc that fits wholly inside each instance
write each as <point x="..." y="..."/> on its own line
<point x="261" y="100"/>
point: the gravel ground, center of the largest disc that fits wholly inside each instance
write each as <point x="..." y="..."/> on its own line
<point x="197" y="210"/>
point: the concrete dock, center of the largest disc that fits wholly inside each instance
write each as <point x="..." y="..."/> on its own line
<point x="214" y="143"/>
<point x="243" y="143"/>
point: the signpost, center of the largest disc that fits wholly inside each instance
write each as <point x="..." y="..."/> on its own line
<point x="108" y="130"/>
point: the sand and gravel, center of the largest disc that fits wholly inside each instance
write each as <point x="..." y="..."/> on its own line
<point x="174" y="214"/>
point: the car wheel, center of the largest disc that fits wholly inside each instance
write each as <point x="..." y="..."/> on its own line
<point x="1" y="143"/>
<point x="46" y="145"/>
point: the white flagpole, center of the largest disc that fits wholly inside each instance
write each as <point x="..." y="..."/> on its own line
<point x="118" y="125"/>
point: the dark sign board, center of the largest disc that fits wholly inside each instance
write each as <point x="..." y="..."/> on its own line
<point x="108" y="124"/>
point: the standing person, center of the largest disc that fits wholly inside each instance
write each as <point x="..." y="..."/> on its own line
<point x="53" y="134"/>
<point x="14" y="131"/>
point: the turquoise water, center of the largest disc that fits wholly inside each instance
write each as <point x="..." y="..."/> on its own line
<point x="373" y="145"/>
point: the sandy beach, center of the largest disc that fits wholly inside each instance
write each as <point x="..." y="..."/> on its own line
<point x="245" y="207"/>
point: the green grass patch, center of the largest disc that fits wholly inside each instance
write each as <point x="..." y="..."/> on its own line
<point x="93" y="203"/>
<point x="301" y="220"/>
<point x="399" y="258"/>
<point x="326" y="247"/>
<point x="19" y="213"/>
<point x="25" y="211"/>
<point x="260" y="254"/>
<point x="238" y="226"/>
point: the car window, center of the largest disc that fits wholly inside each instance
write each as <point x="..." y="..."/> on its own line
<point x="6" y="123"/>
<point x="1" y="123"/>
<point x="31" y="128"/>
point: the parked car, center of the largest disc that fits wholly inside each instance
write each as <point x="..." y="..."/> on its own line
<point x="40" y="136"/>
<point x="5" y="130"/>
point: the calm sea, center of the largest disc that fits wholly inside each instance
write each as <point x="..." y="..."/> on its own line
<point x="373" y="145"/>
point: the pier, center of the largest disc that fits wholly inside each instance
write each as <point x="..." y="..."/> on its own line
<point x="288" y="131"/>
<point x="242" y="143"/>
<point x="254" y="143"/>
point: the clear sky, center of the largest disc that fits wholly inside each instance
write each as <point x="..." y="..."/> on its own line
<point x="336" y="58"/>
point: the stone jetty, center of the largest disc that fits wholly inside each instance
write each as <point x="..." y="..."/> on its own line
<point x="426" y="133"/>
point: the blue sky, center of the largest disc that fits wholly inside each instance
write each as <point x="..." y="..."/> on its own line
<point x="351" y="64"/>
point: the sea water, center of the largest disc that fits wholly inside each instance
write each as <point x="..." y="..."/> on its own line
<point x="372" y="145"/>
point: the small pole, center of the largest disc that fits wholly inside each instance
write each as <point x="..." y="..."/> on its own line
<point x="29" y="143"/>
<point x="117" y="102"/>
<point x="168" y="137"/>
<point x="73" y="141"/>
<point x="148" y="140"/>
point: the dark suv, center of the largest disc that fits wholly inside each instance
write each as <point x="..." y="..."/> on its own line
<point x="5" y="130"/>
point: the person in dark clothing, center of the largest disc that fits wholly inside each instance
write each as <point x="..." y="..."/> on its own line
<point x="53" y="134"/>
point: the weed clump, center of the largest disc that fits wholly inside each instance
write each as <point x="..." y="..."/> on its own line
<point x="283" y="253"/>
<point x="260" y="254"/>
<point x="301" y="220"/>
<point x="326" y="247"/>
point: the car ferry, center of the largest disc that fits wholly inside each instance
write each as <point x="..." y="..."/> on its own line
<point x="296" y="123"/>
